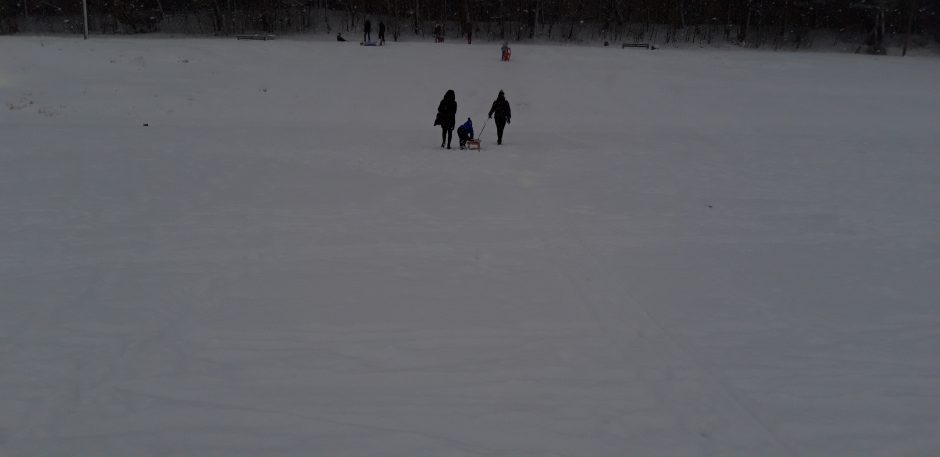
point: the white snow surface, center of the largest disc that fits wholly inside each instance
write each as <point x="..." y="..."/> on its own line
<point x="675" y="253"/>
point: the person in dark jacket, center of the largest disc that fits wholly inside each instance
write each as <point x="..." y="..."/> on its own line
<point x="446" y="113"/>
<point x="367" y="28"/>
<point x="503" y="115"/>
<point x="339" y="37"/>
<point x="465" y="132"/>
<point x="381" y="33"/>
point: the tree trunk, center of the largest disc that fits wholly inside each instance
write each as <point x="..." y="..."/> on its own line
<point x="681" y="11"/>
<point x="746" y="30"/>
<point x="537" y="20"/>
<point x="502" y="21"/>
<point x="910" y="27"/>
<point x="417" y="4"/>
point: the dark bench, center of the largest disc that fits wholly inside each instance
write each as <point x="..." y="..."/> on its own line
<point x="254" y="37"/>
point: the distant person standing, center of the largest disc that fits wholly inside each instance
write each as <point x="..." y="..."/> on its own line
<point x="446" y="117"/>
<point x="381" y="33"/>
<point x="367" y="28"/>
<point x="503" y="115"/>
<point x="339" y="37"/>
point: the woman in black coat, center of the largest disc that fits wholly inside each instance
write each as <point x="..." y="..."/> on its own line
<point x="446" y="117"/>
<point x="503" y="115"/>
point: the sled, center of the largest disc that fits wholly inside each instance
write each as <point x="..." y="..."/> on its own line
<point x="473" y="144"/>
<point x="368" y="43"/>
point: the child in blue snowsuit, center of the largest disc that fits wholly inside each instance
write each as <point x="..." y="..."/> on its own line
<point x="465" y="132"/>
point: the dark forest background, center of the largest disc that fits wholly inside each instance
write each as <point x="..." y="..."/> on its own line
<point x="860" y="25"/>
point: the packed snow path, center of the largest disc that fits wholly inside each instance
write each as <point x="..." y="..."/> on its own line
<point x="676" y="253"/>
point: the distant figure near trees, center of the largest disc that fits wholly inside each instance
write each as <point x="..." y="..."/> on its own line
<point x="367" y="28"/>
<point x="381" y="33"/>
<point x="339" y="37"/>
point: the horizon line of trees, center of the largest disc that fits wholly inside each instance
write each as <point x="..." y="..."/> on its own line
<point x="870" y="23"/>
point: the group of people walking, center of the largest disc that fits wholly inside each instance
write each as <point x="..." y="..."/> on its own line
<point x="367" y="33"/>
<point x="367" y="28"/>
<point x="447" y="114"/>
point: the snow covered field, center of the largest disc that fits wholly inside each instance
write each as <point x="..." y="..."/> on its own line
<point x="675" y="253"/>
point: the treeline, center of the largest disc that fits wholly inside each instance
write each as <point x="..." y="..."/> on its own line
<point x="871" y="24"/>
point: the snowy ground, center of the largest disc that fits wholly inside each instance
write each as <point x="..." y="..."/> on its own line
<point x="676" y="253"/>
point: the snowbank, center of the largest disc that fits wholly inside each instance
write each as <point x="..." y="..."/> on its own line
<point x="721" y="253"/>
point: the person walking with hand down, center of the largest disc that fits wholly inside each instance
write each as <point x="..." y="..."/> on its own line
<point x="503" y="115"/>
<point x="446" y="113"/>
